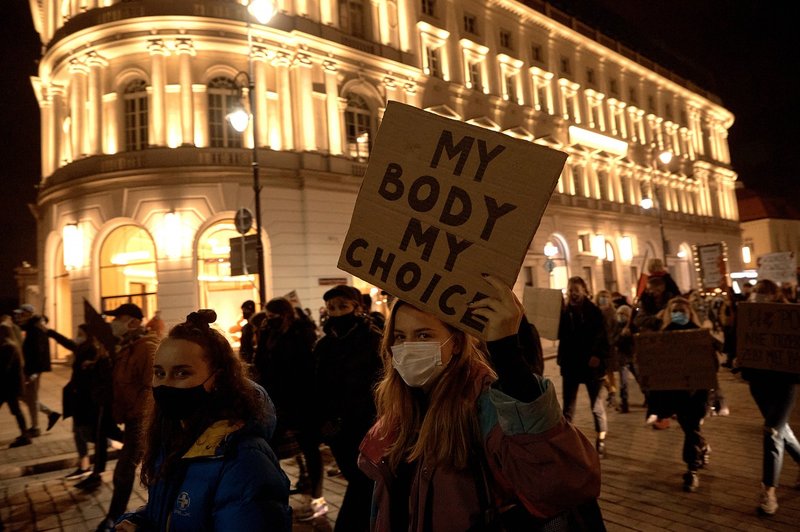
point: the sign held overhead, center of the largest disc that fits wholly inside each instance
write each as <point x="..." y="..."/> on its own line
<point x="442" y="202"/>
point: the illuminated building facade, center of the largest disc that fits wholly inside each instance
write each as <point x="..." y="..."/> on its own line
<point x="142" y="174"/>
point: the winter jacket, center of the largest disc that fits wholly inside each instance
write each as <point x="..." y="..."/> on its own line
<point x="536" y="459"/>
<point x="35" y="347"/>
<point x="347" y="368"/>
<point x="132" y="375"/>
<point x="582" y="335"/>
<point x="229" y="480"/>
<point x="11" y="377"/>
<point x="79" y="396"/>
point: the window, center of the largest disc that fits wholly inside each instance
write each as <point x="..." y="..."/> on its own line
<point x="128" y="269"/>
<point x="434" y="61"/>
<point x="584" y="243"/>
<point x="577" y="181"/>
<point x="358" y="127"/>
<point x="505" y="38"/>
<point x="668" y="111"/>
<point x="536" y="53"/>
<point x="429" y="7"/>
<point x="590" y="76"/>
<point x="612" y="87"/>
<point x="651" y="103"/>
<point x="565" y="67"/>
<point x="475" y="75"/>
<point x="351" y="18"/>
<point x="511" y="87"/>
<point x="135" y="110"/>
<point x="470" y="24"/>
<point x="632" y="96"/>
<point x="223" y="97"/>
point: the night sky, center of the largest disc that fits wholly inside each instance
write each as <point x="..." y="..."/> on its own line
<point x="743" y="51"/>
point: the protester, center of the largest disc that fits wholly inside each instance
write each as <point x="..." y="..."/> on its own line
<point x="438" y="455"/>
<point x="688" y="405"/>
<point x="79" y="399"/>
<point x="605" y="303"/>
<point x="156" y="325"/>
<point x="207" y="464"/>
<point x="247" y="342"/>
<point x="656" y="269"/>
<point x="348" y="367"/>
<point x="131" y="381"/>
<point x="621" y="343"/>
<point x="775" y="393"/>
<point x="12" y="381"/>
<point x="36" y="353"/>
<point x="284" y="363"/>
<point x="582" y="354"/>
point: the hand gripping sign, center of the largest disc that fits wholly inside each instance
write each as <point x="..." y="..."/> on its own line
<point x="442" y="202"/>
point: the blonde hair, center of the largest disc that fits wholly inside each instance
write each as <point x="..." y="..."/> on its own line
<point x="447" y="431"/>
<point x="666" y="317"/>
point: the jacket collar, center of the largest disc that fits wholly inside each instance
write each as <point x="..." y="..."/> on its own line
<point x="210" y="443"/>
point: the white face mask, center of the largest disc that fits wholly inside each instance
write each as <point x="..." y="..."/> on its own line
<point x="119" y="328"/>
<point x="418" y="362"/>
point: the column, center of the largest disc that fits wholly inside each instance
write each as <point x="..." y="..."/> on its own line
<point x="56" y="96"/>
<point x="258" y="56"/>
<point x="158" y="80"/>
<point x="327" y="9"/>
<point x="96" y="64"/>
<point x="77" y="103"/>
<point x="304" y="90"/>
<point x="376" y="20"/>
<point x="332" y="108"/>
<point x="282" y="62"/>
<point x="47" y="125"/>
<point x="185" y="50"/>
<point x="384" y="33"/>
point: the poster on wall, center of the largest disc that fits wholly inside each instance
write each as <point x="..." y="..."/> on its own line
<point x="779" y="267"/>
<point x="710" y="261"/>
<point x="443" y="202"/>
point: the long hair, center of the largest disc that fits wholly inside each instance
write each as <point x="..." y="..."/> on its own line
<point x="447" y="433"/>
<point x="666" y="317"/>
<point x="233" y="397"/>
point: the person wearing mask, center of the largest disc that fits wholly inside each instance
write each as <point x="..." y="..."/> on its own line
<point x="348" y="365"/>
<point x="688" y="405"/>
<point x="606" y="305"/>
<point x="132" y="367"/>
<point x="438" y="455"/>
<point x="12" y="380"/>
<point x="36" y="354"/>
<point x="207" y="464"/>
<point x="775" y="393"/>
<point x="582" y="355"/>
<point x="284" y="363"/>
<point x="247" y="342"/>
<point x="621" y="342"/>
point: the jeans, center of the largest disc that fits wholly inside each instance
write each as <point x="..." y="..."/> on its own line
<point x="597" y="399"/>
<point x="691" y="409"/>
<point x="775" y="399"/>
<point x="31" y="398"/>
<point x="16" y="411"/>
<point x="625" y="372"/>
<point x="125" y="473"/>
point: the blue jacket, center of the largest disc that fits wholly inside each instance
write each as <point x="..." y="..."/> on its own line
<point x="229" y="480"/>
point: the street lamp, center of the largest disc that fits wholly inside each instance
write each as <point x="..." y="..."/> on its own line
<point x="647" y="203"/>
<point x="262" y="11"/>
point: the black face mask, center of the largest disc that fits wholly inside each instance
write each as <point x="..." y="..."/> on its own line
<point x="180" y="403"/>
<point x="274" y="323"/>
<point x="342" y="324"/>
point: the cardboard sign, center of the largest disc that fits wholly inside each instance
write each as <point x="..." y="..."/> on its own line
<point x="779" y="267"/>
<point x="710" y="264"/>
<point x="676" y="360"/>
<point x="543" y="309"/>
<point x="442" y="202"/>
<point x="294" y="299"/>
<point x="768" y="336"/>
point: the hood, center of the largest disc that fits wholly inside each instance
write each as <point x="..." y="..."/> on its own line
<point x="268" y="426"/>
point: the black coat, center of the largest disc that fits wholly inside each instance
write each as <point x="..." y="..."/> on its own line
<point x="11" y="378"/>
<point x="582" y="335"/>
<point x="35" y="347"/>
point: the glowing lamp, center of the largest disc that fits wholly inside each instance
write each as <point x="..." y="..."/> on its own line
<point x="626" y="248"/>
<point x="73" y="246"/>
<point x="238" y="119"/>
<point x="746" y="254"/>
<point x="647" y="203"/>
<point x="665" y="157"/>
<point x="550" y="250"/>
<point x="262" y="10"/>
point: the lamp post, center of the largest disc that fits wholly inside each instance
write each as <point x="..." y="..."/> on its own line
<point x="665" y="157"/>
<point x="262" y="11"/>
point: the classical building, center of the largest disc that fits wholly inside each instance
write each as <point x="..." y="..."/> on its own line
<point x="142" y="174"/>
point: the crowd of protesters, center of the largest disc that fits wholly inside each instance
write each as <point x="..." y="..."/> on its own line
<point x="419" y="416"/>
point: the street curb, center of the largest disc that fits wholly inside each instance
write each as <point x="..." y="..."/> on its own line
<point x="37" y="468"/>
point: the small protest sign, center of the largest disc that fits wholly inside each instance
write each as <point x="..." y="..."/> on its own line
<point x="442" y="202"/>
<point x="768" y="336"/>
<point x="294" y="299"/>
<point x="99" y="327"/>
<point x="779" y="267"/>
<point x="676" y="360"/>
<point x="710" y="262"/>
<point x="543" y="309"/>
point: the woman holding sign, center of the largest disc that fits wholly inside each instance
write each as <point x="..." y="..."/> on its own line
<point x="461" y="433"/>
<point x="775" y="393"/>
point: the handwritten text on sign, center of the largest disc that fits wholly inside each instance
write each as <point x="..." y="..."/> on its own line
<point x="676" y="360"/>
<point x="768" y="336"/>
<point x="442" y="202"/>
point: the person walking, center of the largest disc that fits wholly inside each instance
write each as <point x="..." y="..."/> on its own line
<point x="132" y="376"/>
<point x="247" y="342"/>
<point x="12" y="381"/>
<point x="348" y="365"/>
<point x="582" y="353"/>
<point x="461" y="432"/>
<point x="36" y="353"/>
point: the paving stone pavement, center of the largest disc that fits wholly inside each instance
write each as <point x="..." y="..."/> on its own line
<point x="641" y="487"/>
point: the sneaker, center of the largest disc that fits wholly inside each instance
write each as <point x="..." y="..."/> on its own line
<point x="106" y="525"/>
<point x="20" y="442"/>
<point x="78" y="474"/>
<point x="52" y="419"/>
<point x="92" y="482"/>
<point x="652" y="418"/>
<point x="34" y="432"/>
<point x="724" y="411"/>
<point x="769" y="502"/>
<point x="600" y="445"/>
<point x="334" y="471"/>
<point x="691" y="481"/>
<point x="624" y="408"/>
<point x="661" y="424"/>
<point x="706" y="453"/>
<point x="311" y="510"/>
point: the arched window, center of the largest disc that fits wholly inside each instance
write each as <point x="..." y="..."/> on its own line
<point x="223" y="97"/>
<point x="358" y="127"/>
<point x="135" y="113"/>
<point x="128" y="269"/>
<point x="555" y="252"/>
<point x="609" y="271"/>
